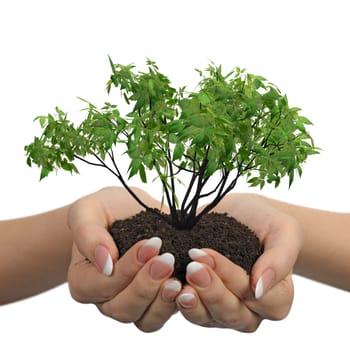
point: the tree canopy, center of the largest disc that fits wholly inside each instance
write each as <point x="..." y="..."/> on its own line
<point x="234" y="124"/>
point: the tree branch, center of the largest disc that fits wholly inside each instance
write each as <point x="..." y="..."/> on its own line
<point x="121" y="179"/>
<point x="212" y="191"/>
<point x="88" y="162"/>
<point x="195" y="199"/>
<point x="190" y="186"/>
<point x="172" y="180"/>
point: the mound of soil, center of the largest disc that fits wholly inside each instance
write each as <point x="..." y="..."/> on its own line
<point x="216" y="231"/>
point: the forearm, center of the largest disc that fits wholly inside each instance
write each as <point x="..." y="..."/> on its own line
<point x="34" y="254"/>
<point x="325" y="256"/>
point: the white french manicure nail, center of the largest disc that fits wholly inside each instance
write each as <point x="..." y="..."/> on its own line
<point x="166" y="258"/>
<point x="108" y="268"/>
<point x="264" y="284"/>
<point x="186" y="300"/>
<point x="193" y="267"/>
<point x="173" y="285"/>
<point x="154" y="242"/>
<point x="259" y="289"/>
<point x="149" y="249"/>
<point x="202" y="256"/>
<point x="171" y="290"/>
<point x="157" y="270"/>
<point x="104" y="260"/>
<point x="196" y="253"/>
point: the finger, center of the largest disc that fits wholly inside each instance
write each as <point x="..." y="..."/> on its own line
<point x="89" y="225"/>
<point x="162" y="308"/>
<point x="276" y="304"/>
<point x="132" y="302"/>
<point x="90" y="217"/>
<point x="234" y="277"/>
<point x="87" y="284"/>
<point x="223" y="306"/>
<point x="133" y="260"/>
<point x="281" y="248"/>
<point x="192" y="309"/>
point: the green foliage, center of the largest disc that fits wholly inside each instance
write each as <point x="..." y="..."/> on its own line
<point x="235" y="124"/>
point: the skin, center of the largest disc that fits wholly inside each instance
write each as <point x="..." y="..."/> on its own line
<point x="227" y="301"/>
<point x="218" y="293"/>
<point x="324" y="255"/>
<point x="122" y="295"/>
<point x="35" y="254"/>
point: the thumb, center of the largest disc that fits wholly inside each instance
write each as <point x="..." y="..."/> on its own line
<point x="88" y="224"/>
<point x="97" y="245"/>
<point x="281" y="250"/>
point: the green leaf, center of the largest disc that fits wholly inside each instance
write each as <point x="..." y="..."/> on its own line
<point x="134" y="167"/>
<point x="178" y="151"/>
<point x="305" y="120"/>
<point x="211" y="168"/>
<point x="254" y="181"/>
<point x="142" y="173"/>
<point x="44" y="173"/>
<point x="175" y="126"/>
<point x="66" y="166"/>
<point x="291" y="178"/>
<point x="42" y="120"/>
<point x="229" y="145"/>
<point x="300" y="125"/>
<point x="231" y="122"/>
<point x="203" y="98"/>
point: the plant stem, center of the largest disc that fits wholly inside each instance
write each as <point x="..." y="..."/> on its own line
<point x="195" y="200"/>
<point x="222" y="193"/>
<point x="172" y="180"/>
<point x="189" y="189"/>
<point x="123" y="182"/>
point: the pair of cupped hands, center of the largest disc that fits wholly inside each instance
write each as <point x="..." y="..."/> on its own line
<point x="138" y="287"/>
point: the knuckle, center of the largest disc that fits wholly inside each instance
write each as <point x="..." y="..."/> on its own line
<point x="145" y="294"/>
<point x="122" y="316"/>
<point x="76" y="292"/>
<point x="125" y="273"/>
<point x="76" y="295"/>
<point x="280" y="313"/>
<point x="117" y="314"/>
<point x="287" y="295"/>
<point x="248" y="326"/>
<point x="148" y="327"/>
<point x="155" y="319"/>
<point x="106" y="294"/>
<point x="216" y="298"/>
<point x="232" y="320"/>
<point x="252" y="326"/>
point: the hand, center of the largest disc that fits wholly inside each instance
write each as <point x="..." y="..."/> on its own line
<point x="221" y="294"/>
<point x="135" y="288"/>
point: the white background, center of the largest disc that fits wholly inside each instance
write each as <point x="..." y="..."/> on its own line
<point x="53" y="51"/>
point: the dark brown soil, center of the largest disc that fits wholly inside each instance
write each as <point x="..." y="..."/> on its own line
<point x="216" y="231"/>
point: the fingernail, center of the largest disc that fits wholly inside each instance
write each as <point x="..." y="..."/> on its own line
<point x="171" y="290"/>
<point x="103" y="260"/>
<point x="149" y="249"/>
<point x="198" y="274"/>
<point x="264" y="283"/>
<point x="186" y="300"/>
<point x="161" y="266"/>
<point x="201" y="256"/>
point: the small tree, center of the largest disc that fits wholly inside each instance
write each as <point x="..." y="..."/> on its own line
<point x="235" y="124"/>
